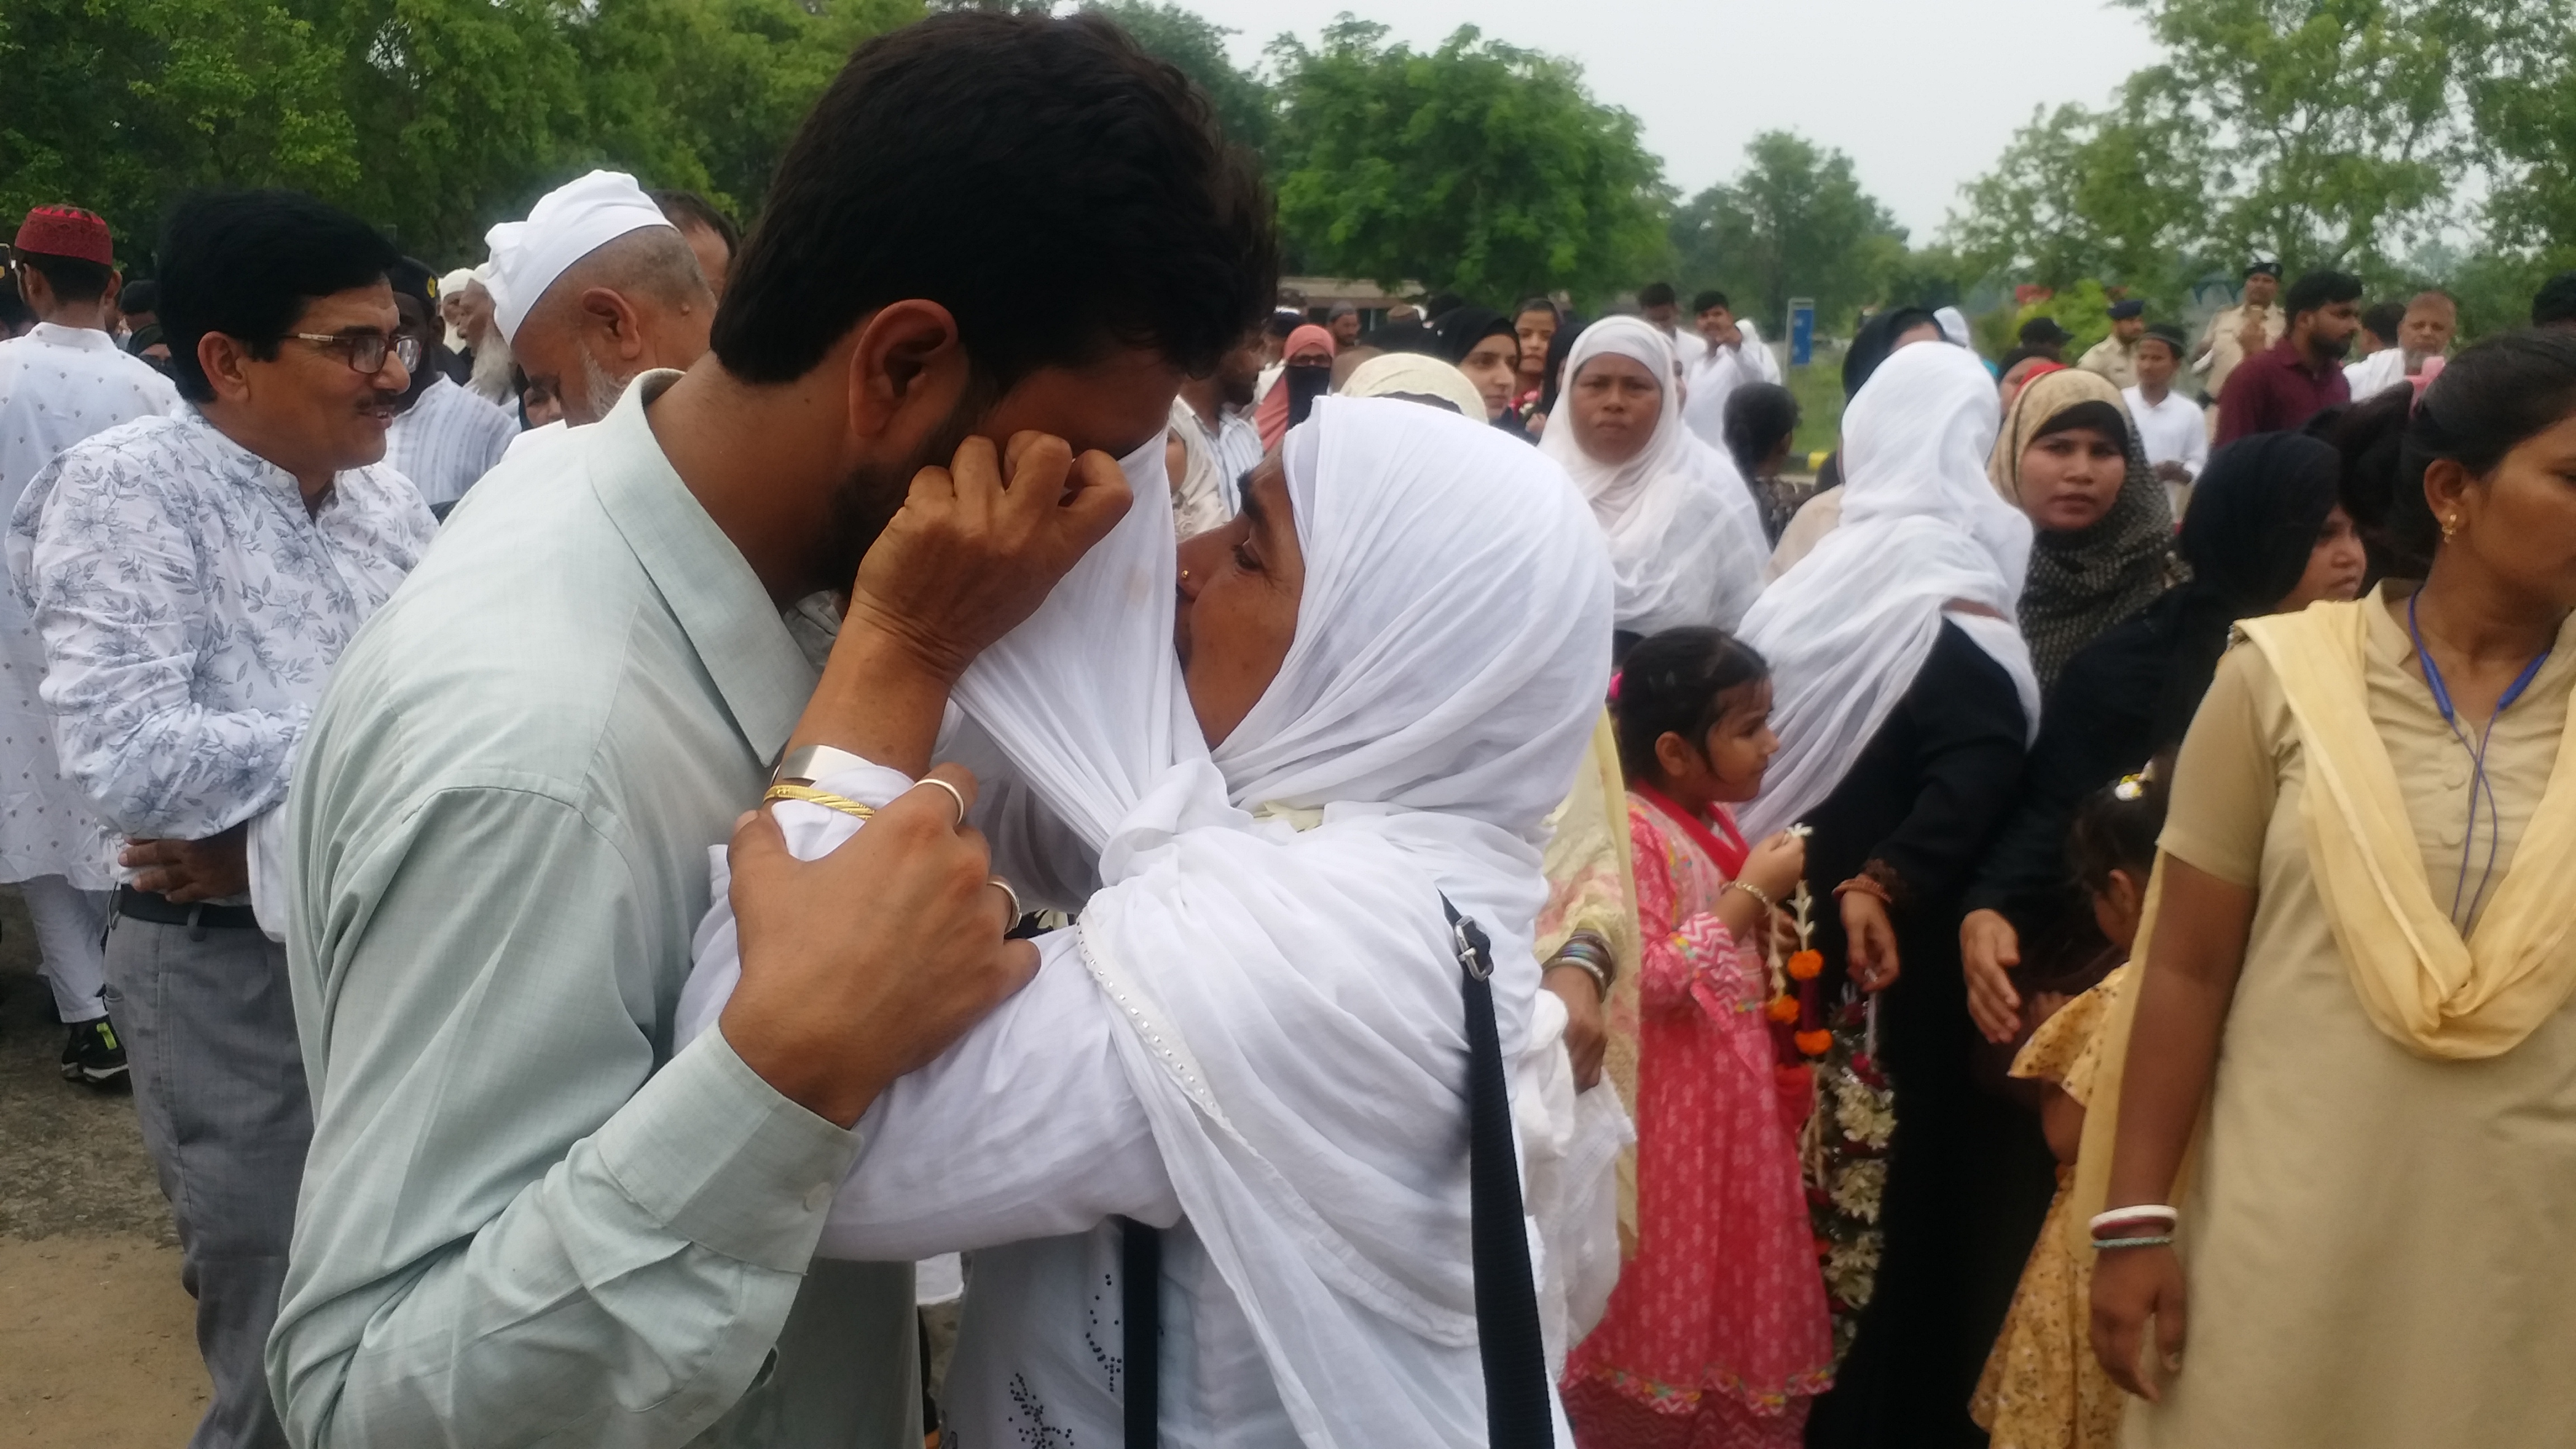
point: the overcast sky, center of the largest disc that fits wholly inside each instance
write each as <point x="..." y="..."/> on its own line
<point x="1923" y="94"/>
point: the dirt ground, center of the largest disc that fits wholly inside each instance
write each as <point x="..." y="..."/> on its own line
<point x="97" y="1339"/>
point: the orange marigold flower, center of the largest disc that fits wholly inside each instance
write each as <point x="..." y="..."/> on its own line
<point x="1815" y="1043"/>
<point x="1806" y="965"/>
<point x="1783" y="1009"/>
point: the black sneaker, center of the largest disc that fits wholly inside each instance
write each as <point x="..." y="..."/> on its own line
<point x="93" y="1056"/>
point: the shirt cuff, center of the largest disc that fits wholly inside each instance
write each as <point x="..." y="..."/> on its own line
<point x="718" y="1156"/>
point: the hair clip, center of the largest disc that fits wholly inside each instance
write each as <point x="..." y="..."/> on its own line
<point x="2130" y="787"/>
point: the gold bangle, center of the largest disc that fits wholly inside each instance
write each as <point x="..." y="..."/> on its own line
<point x="789" y="790"/>
<point x="1755" y="891"/>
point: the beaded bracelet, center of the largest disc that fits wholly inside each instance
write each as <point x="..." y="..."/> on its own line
<point x="1750" y="889"/>
<point x="2161" y="1240"/>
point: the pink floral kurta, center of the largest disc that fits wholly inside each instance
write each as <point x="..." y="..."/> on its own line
<point x="1718" y="1333"/>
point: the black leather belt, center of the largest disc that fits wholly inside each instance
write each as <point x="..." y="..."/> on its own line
<point x="162" y="911"/>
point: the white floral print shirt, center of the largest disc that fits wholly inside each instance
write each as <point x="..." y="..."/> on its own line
<point x="191" y="610"/>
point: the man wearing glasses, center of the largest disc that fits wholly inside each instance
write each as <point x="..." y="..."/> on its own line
<point x="193" y="578"/>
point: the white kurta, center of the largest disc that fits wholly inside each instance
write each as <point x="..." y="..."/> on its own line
<point x="1713" y="374"/>
<point x="58" y="385"/>
<point x="2376" y="373"/>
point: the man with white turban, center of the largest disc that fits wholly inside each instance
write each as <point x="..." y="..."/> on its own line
<point x="595" y="287"/>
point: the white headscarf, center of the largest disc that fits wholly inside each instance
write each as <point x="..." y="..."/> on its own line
<point x="1923" y="531"/>
<point x="1685" y="536"/>
<point x="1298" y="1041"/>
<point x="1414" y="374"/>
<point x="567" y="224"/>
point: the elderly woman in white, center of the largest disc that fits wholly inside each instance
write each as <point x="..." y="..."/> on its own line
<point x="1263" y="777"/>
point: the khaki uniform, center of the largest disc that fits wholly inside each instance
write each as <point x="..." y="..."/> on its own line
<point x="2113" y="359"/>
<point x="2219" y="350"/>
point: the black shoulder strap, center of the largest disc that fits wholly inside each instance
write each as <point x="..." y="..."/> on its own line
<point x="1507" y="1332"/>
<point x="1517" y="1415"/>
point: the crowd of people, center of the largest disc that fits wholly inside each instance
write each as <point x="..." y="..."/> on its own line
<point x="1503" y="915"/>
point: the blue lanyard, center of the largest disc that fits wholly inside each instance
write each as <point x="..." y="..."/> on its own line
<point x="2478" y="781"/>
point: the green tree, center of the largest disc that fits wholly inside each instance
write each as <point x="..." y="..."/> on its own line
<point x="1478" y="167"/>
<point x="1196" y="46"/>
<point x="1794" y="222"/>
<point x="2524" y="102"/>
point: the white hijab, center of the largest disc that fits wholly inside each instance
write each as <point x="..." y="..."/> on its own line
<point x="1298" y="1041"/>
<point x="1412" y="374"/>
<point x="1923" y="531"/>
<point x="1685" y="537"/>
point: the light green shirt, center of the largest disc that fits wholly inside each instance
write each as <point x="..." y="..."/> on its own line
<point x="524" y="1221"/>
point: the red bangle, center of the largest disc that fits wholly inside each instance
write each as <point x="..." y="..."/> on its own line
<point x="1868" y="885"/>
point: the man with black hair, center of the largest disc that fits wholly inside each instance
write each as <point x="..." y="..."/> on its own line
<point x="2302" y="375"/>
<point x="139" y="302"/>
<point x="1725" y="354"/>
<point x="2554" y="305"/>
<point x="2173" y="430"/>
<point x="711" y="235"/>
<point x="442" y="437"/>
<point x="525" y="1219"/>
<point x="193" y="578"/>
<point x="2378" y="331"/>
<point x="1662" y="309"/>
<point x="62" y="382"/>
<point x="1219" y="405"/>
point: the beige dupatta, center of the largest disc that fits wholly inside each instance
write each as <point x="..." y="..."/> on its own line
<point x="2431" y="992"/>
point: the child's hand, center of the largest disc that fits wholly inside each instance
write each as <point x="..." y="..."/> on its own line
<point x="1776" y="865"/>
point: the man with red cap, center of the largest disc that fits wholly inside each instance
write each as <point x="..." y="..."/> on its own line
<point x="59" y="384"/>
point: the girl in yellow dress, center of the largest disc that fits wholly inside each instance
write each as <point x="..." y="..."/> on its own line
<point x="2043" y="1388"/>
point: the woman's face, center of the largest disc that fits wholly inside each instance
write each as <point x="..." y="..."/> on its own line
<point x="2518" y="524"/>
<point x="2070" y="479"/>
<point x="1494" y="366"/>
<point x="2335" y="565"/>
<point x="1313" y="354"/>
<point x="1537" y="328"/>
<point x="1239" y="586"/>
<point x="2018" y="377"/>
<point x="1616" y="403"/>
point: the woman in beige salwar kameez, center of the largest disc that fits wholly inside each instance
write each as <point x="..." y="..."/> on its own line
<point x="2353" y="1062"/>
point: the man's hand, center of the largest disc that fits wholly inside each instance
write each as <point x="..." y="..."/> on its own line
<point x="187" y="871"/>
<point x="968" y="557"/>
<point x="2253" y="337"/>
<point x="1989" y="948"/>
<point x="2172" y="472"/>
<point x="1587" y="1032"/>
<point x="867" y="963"/>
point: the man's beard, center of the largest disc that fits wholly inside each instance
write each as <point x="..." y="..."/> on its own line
<point x="598" y="389"/>
<point x="868" y="499"/>
<point x="2337" y="348"/>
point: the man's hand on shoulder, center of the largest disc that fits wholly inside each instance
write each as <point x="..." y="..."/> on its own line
<point x="865" y="964"/>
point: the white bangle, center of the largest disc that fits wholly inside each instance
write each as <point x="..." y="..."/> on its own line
<point x="2142" y="1213"/>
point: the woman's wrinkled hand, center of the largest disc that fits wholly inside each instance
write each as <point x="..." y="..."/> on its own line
<point x="969" y="556"/>
<point x="1989" y="948"/>
<point x="1869" y="941"/>
<point x="2131" y="1286"/>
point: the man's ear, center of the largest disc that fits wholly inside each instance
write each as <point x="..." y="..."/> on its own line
<point x="907" y="371"/>
<point x="225" y="361"/>
<point x="610" y="312"/>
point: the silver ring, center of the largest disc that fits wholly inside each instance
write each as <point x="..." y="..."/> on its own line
<point x="1016" y="912"/>
<point x="953" y="793"/>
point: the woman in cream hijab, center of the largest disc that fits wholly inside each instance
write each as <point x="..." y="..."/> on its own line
<point x="2356" y="982"/>
<point x="2102" y="549"/>
<point x="1685" y="537"/>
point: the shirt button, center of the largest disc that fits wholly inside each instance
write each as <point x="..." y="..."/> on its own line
<point x="818" y="1197"/>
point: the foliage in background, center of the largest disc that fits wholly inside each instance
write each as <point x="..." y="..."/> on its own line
<point x="1794" y="222"/>
<point x="1479" y="167"/>
<point x="432" y="118"/>
<point x="2355" y="134"/>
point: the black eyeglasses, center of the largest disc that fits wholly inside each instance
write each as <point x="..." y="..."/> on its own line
<point x="366" y="351"/>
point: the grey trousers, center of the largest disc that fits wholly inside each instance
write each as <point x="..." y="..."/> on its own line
<point x="219" y="1085"/>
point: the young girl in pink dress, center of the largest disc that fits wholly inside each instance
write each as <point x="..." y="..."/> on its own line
<point x="1718" y="1333"/>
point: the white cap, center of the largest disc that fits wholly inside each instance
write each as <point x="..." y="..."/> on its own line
<point x="454" y="282"/>
<point x="567" y="224"/>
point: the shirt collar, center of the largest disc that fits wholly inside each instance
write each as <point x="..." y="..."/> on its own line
<point x="703" y="579"/>
<point x="250" y="466"/>
<point x="79" y="339"/>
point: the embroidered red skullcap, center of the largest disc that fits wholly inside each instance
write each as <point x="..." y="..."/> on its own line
<point x="66" y="231"/>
